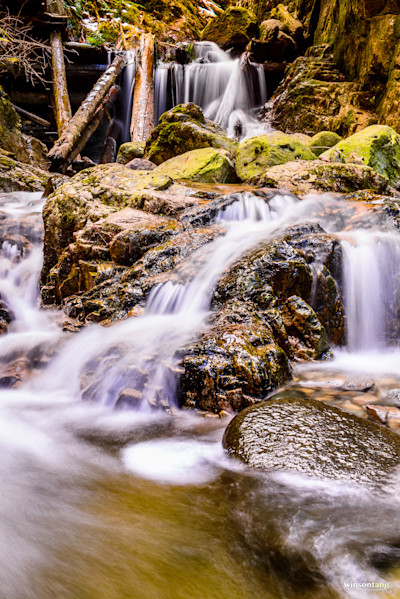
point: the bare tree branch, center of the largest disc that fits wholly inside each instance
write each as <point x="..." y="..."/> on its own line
<point x="20" y="52"/>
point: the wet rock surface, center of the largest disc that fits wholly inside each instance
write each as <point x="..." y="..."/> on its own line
<point x="293" y="434"/>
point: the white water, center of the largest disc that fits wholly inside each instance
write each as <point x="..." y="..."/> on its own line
<point x="48" y="468"/>
<point x="226" y="89"/>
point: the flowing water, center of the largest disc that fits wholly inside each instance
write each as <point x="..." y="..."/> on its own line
<point x="229" y="90"/>
<point x="101" y="504"/>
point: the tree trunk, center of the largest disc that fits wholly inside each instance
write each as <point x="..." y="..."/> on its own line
<point x="142" y="121"/>
<point x="109" y="151"/>
<point x="92" y="126"/>
<point x="67" y="142"/>
<point x="32" y="117"/>
<point x="62" y="106"/>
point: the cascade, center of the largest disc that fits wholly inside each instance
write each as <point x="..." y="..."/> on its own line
<point x="123" y="108"/>
<point x="371" y="271"/>
<point x="75" y="474"/>
<point x="228" y="90"/>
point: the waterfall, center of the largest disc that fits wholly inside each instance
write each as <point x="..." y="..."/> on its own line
<point x="123" y="108"/>
<point x="228" y="90"/>
<point x="371" y="277"/>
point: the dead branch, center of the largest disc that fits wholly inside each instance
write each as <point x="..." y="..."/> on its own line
<point x="20" y="52"/>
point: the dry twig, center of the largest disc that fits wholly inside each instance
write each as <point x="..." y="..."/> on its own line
<point x="20" y="52"/>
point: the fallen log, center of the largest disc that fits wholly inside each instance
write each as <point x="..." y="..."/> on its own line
<point x="92" y="126"/>
<point x="142" y="120"/>
<point x="62" y="106"/>
<point x="67" y="142"/>
<point x="31" y="117"/>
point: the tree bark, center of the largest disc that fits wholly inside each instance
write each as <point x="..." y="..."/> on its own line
<point x="62" y="106"/>
<point x="92" y="126"/>
<point x="67" y="142"/>
<point x="142" y="121"/>
<point x="32" y="117"/>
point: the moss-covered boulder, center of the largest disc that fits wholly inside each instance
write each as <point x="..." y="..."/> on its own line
<point x="302" y="177"/>
<point x="17" y="176"/>
<point x="288" y="433"/>
<point x="315" y="96"/>
<point x="23" y="148"/>
<point x="183" y="129"/>
<point x="377" y="146"/>
<point x="204" y="166"/>
<point x="256" y="154"/>
<point x="322" y="141"/>
<point x="130" y="150"/>
<point x="234" y="28"/>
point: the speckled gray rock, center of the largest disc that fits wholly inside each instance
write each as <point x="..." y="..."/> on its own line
<point x="292" y="434"/>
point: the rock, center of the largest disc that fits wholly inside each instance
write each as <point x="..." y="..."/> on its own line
<point x="361" y="385"/>
<point x="302" y="177"/>
<point x="130" y="150"/>
<point x="206" y="165"/>
<point x="305" y="332"/>
<point x="183" y="129"/>
<point x="290" y="24"/>
<point x="386" y="415"/>
<point x="21" y="147"/>
<point x="141" y="164"/>
<point x="256" y="154"/>
<point x="377" y="146"/>
<point x="391" y="398"/>
<point x="272" y="273"/>
<point x="315" y="96"/>
<point x="322" y="141"/>
<point x="296" y="435"/>
<point x="233" y="28"/>
<point x="17" y="176"/>
<point x="235" y="364"/>
<point x="275" y="45"/>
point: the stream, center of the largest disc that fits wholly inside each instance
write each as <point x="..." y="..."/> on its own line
<point x="103" y="503"/>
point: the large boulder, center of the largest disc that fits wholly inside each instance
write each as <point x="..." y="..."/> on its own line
<point x="302" y="177"/>
<point x="206" y="165"/>
<point x="316" y="96"/>
<point x="377" y="146"/>
<point x="234" y="28"/>
<point x="288" y="433"/>
<point x="256" y="154"/>
<point x="183" y="129"/>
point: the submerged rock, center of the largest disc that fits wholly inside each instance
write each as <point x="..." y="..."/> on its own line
<point x="256" y="154"/>
<point x="287" y="433"/>
<point x="234" y="28"/>
<point x="377" y="146"/>
<point x="206" y="165"/>
<point x="182" y="129"/>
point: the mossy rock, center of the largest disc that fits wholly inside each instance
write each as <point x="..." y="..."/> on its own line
<point x="290" y="24"/>
<point x="305" y="176"/>
<point x="289" y="433"/>
<point x="206" y="165"/>
<point x="234" y="28"/>
<point x="256" y="154"/>
<point x="130" y="150"/>
<point x="377" y="146"/>
<point x="17" y="176"/>
<point x="322" y="141"/>
<point x="183" y="129"/>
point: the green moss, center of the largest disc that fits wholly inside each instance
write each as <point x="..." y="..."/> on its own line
<point x="235" y="27"/>
<point x="256" y="154"/>
<point x="322" y="141"/>
<point x="206" y="165"/>
<point x="377" y="146"/>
